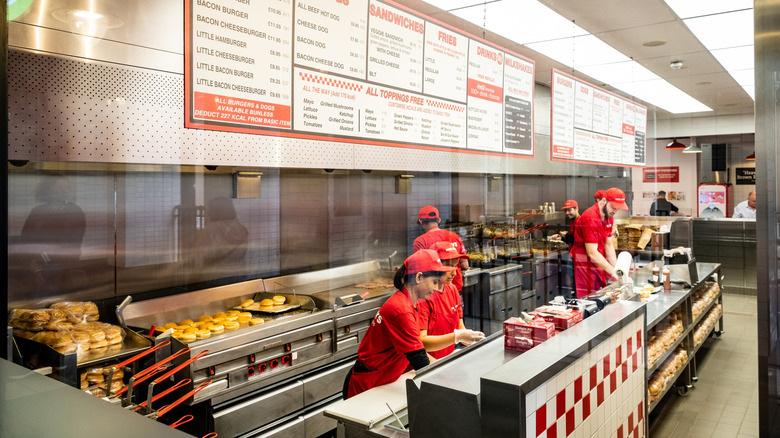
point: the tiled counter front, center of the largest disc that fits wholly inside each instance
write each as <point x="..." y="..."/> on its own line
<point x="590" y="382"/>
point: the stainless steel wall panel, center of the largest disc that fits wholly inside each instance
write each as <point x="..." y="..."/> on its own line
<point x="65" y="43"/>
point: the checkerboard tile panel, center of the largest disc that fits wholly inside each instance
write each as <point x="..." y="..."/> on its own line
<point x="333" y="82"/>
<point x="596" y="395"/>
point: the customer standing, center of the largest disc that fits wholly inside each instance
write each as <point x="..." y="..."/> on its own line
<point x="746" y="209"/>
<point x="440" y="316"/>
<point x="593" y="253"/>
<point x="662" y="207"/>
<point x="428" y="218"/>
<point x="392" y="345"/>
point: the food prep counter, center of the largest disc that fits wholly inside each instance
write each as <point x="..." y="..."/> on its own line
<point x="485" y="390"/>
<point x="592" y="377"/>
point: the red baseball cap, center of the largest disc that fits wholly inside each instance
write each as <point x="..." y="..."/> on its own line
<point x="448" y="251"/>
<point x="571" y="203"/>
<point x="616" y="198"/>
<point x="425" y="260"/>
<point x="598" y="195"/>
<point x="428" y="212"/>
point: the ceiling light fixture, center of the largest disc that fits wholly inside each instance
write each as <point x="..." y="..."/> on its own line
<point x="693" y="148"/>
<point x="676" y="65"/>
<point x="751" y="157"/>
<point x="654" y="43"/>
<point x="674" y="145"/>
<point x="556" y="37"/>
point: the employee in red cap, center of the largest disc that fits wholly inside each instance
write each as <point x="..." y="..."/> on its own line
<point x="428" y="217"/>
<point x="571" y="209"/>
<point x="392" y="345"/>
<point x="441" y="314"/>
<point x="593" y="252"/>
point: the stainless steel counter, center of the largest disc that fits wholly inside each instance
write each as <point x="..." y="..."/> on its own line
<point x="35" y="405"/>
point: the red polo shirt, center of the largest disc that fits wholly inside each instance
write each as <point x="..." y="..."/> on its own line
<point x="393" y="333"/>
<point x="440" y="314"/>
<point x="590" y="228"/>
<point x="438" y="235"/>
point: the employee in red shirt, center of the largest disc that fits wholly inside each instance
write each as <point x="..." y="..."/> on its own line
<point x="392" y="344"/>
<point x="571" y="209"/>
<point x="440" y="316"/>
<point x="428" y="217"/>
<point x="593" y="253"/>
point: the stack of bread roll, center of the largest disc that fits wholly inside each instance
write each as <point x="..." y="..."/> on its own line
<point x="704" y="297"/>
<point x="189" y="330"/>
<point x="663" y="335"/>
<point x="94" y="380"/>
<point x="707" y="323"/>
<point x="68" y="327"/>
<point x="665" y="373"/>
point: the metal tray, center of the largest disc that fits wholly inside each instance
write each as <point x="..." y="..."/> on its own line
<point x="255" y="308"/>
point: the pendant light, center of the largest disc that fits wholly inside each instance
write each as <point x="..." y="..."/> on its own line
<point x="693" y="148"/>
<point x="674" y="145"/>
<point x="751" y="157"/>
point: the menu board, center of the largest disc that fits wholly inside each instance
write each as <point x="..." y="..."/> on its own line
<point x="368" y="71"/>
<point x="592" y="125"/>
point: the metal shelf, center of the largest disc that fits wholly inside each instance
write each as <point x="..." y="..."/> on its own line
<point x="669" y="386"/>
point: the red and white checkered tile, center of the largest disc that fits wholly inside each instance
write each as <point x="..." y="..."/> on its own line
<point x="597" y="395"/>
<point x="337" y="83"/>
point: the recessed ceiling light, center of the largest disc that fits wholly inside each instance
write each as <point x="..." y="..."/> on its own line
<point x="654" y="43"/>
<point x="676" y="65"/>
<point x="704" y="83"/>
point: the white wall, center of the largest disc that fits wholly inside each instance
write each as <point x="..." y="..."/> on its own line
<point x="658" y="156"/>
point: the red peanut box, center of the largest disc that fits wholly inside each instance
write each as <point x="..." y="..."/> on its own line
<point x="536" y="331"/>
<point x="562" y="318"/>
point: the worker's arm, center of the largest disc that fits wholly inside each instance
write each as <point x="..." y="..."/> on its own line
<point x="595" y="256"/>
<point x="436" y="342"/>
<point x="609" y="251"/>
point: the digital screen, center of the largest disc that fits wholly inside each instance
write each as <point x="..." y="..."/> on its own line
<point x="712" y="197"/>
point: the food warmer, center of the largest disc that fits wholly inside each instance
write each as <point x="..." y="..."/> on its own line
<point x="275" y="378"/>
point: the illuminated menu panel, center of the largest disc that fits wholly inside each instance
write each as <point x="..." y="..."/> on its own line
<point x="595" y="126"/>
<point x="352" y="69"/>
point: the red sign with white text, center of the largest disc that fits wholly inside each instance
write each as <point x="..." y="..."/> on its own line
<point x="666" y="174"/>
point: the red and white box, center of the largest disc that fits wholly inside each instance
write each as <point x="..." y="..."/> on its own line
<point x="522" y="336"/>
<point x="562" y="318"/>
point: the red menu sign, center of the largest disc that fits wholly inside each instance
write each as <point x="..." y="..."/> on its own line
<point x="666" y="174"/>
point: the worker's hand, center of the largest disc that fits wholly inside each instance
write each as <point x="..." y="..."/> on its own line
<point x="468" y="337"/>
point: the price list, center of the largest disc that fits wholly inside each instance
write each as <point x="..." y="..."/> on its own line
<point x="446" y="63"/>
<point x="485" y="97"/>
<point x="332" y="36"/>
<point x="364" y="69"/>
<point x="592" y="125"/>
<point x="242" y="73"/>
<point x="395" y="47"/>
<point x="518" y="105"/>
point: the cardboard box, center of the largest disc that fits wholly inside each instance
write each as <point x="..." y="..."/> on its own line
<point x="522" y="336"/>
<point x="561" y="318"/>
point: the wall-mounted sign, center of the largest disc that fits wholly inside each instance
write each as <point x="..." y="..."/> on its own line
<point x="746" y="176"/>
<point x="592" y="125"/>
<point x="666" y="174"/>
<point x="361" y="71"/>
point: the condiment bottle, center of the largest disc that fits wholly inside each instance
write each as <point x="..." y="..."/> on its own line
<point x="667" y="279"/>
<point x="656" y="274"/>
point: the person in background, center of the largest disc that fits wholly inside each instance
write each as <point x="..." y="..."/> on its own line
<point x="598" y="195"/>
<point x="428" y="218"/>
<point x="392" y="344"/>
<point x="572" y="211"/>
<point x="441" y="314"/>
<point x="662" y="207"/>
<point x="746" y="209"/>
<point x="52" y="235"/>
<point x="593" y="253"/>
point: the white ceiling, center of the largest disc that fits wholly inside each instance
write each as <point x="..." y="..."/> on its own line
<point x="626" y="25"/>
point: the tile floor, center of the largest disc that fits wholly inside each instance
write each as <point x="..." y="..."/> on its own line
<point x="724" y="402"/>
